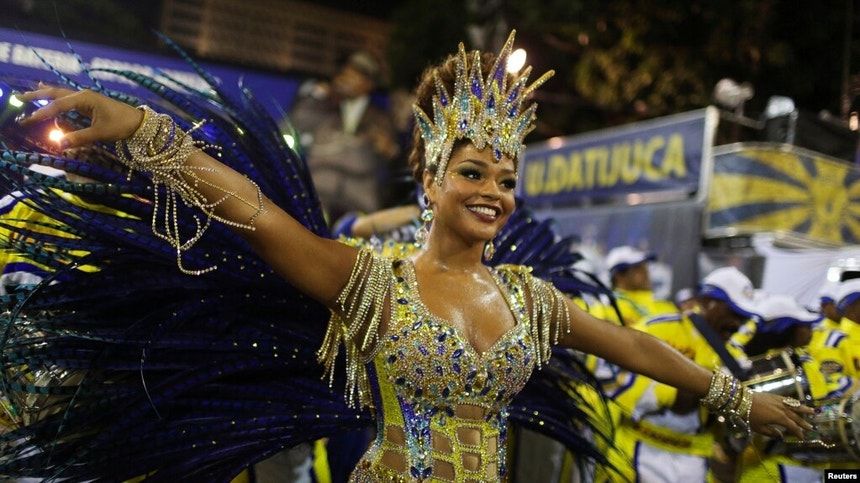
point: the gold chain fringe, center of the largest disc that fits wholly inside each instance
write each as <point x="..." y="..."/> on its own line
<point x="160" y="148"/>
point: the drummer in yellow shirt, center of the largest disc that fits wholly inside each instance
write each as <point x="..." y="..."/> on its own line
<point x="827" y="306"/>
<point x="663" y="431"/>
<point x="787" y="328"/>
<point x="848" y="303"/>
<point x="631" y="281"/>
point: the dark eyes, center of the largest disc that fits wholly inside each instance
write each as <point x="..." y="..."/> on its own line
<point x="470" y="173"/>
<point x="476" y="174"/>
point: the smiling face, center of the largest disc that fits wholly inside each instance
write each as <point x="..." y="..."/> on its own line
<point x="476" y="196"/>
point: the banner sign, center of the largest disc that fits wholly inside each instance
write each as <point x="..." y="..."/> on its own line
<point x="20" y="54"/>
<point x="778" y="188"/>
<point x="659" y="155"/>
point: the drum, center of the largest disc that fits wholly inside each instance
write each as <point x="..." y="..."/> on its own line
<point x="837" y="422"/>
<point x="835" y="438"/>
<point x="779" y="373"/>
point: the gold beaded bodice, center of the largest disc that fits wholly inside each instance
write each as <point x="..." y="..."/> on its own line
<point x="440" y="404"/>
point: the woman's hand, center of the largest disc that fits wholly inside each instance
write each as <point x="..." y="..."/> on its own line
<point x="771" y="413"/>
<point x="111" y="120"/>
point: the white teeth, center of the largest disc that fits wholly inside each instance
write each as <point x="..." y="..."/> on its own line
<point x="483" y="210"/>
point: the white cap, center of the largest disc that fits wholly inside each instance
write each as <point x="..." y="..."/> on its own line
<point x="848" y="292"/>
<point x="620" y="258"/>
<point x="684" y="295"/>
<point x="828" y="291"/>
<point x="730" y="285"/>
<point x="779" y="312"/>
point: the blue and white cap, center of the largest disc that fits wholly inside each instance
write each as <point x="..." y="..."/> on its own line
<point x="625" y="256"/>
<point x="827" y="292"/>
<point x="733" y="287"/>
<point x="779" y="312"/>
<point x="848" y="292"/>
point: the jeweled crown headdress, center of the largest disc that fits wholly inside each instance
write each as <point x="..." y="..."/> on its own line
<point x="486" y="111"/>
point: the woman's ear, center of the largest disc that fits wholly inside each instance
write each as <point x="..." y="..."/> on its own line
<point x="428" y="181"/>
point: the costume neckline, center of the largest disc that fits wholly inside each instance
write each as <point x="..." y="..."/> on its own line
<point x="412" y="281"/>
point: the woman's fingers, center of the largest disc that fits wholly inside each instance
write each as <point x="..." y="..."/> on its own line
<point x="798" y="425"/>
<point x="111" y="120"/>
<point x="778" y="416"/>
<point x="795" y="411"/>
<point x="772" y="431"/>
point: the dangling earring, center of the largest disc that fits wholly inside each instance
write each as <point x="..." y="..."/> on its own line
<point x="489" y="251"/>
<point x="423" y="231"/>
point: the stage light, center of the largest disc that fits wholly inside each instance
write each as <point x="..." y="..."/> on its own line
<point x="731" y="95"/>
<point x="516" y="61"/>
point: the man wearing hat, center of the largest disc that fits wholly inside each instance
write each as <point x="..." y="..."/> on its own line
<point x="663" y="431"/>
<point x="685" y="300"/>
<point x="848" y="303"/>
<point x="784" y="324"/>
<point x="350" y="141"/>
<point x="788" y="326"/>
<point x="827" y="335"/>
<point x="827" y="305"/>
<point x="631" y="281"/>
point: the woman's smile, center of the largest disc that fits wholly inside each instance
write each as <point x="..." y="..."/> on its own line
<point x="486" y="213"/>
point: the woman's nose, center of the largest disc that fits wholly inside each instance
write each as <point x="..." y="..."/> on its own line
<point x="490" y="189"/>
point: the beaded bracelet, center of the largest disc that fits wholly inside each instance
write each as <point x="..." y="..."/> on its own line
<point x="730" y="399"/>
<point x="160" y="148"/>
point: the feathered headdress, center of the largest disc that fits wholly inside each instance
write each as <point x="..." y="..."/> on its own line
<point x="485" y="111"/>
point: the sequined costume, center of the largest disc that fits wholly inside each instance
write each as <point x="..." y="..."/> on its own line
<point x="131" y="368"/>
<point x="427" y="372"/>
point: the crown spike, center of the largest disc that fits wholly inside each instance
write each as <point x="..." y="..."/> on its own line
<point x="485" y="111"/>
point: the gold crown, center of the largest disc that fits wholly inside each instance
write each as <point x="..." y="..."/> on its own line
<point x="486" y="111"/>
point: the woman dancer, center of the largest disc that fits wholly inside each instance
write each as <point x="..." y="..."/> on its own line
<point x="438" y="343"/>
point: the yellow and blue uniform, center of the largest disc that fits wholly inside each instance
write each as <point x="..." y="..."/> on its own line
<point x="660" y="442"/>
<point x="634" y="306"/>
<point x="832" y="346"/>
<point x="852" y="330"/>
<point x="830" y="324"/>
<point x="639" y="305"/>
<point x="825" y="369"/>
<point x="18" y="268"/>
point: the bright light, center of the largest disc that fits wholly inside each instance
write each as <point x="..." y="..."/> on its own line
<point x="15" y="102"/>
<point x="516" y="61"/>
<point x="56" y="135"/>
<point x="291" y="142"/>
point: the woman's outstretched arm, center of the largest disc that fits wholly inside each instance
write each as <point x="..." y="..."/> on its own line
<point x="317" y="266"/>
<point x="645" y="354"/>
